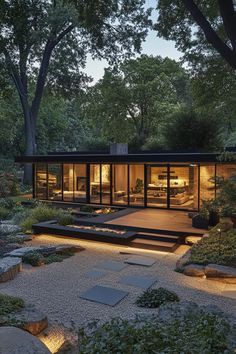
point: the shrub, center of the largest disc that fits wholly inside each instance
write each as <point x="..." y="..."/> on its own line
<point x="65" y="219"/>
<point x="10" y="304"/>
<point x="156" y="297"/>
<point x="36" y="259"/>
<point x="214" y="249"/>
<point x="56" y="258"/>
<point x="87" y="209"/>
<point x="4" y="213"/>
<point x="43" y="213"/>
<point x="195" y="331"/>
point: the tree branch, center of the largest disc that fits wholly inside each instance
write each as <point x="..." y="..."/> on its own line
<point x="210" y="34"/>
<point x="229" y="20"/>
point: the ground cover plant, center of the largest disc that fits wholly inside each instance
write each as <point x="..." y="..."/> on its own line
<point x="37" y="259"/>
<point x="176" y="329"/>
<point x="156" y="297"/>
<point x="9" y="304"/>
<point x="218" y="248"/>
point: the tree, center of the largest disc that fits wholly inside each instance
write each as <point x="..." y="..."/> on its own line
<point x="131" y="102"/>
<point x="35" y="33"/>
<point x="211" y="24"/>
<point x="190" y="131"/>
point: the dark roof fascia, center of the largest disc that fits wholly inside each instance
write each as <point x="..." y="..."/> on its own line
<point x="129" y="158"/>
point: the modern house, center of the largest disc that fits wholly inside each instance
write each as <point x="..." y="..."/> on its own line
<point x="157" y="180"/>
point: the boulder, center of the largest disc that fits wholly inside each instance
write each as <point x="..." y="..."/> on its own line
<point x="20" y="252"/>
<point x="183" y="260"/>
<point x="9" y="268"/>
<point x="191" y="240"/>
<point x="215" y="271"/>
<point x="16" y="341"/>
<point x="23" y="237"/>
<point x="30" y="319"/>
<point x="6" y="248"/>
<point x="62" y="249"/>
<point x="194" y="270"/>
<point x="6" y="229"/>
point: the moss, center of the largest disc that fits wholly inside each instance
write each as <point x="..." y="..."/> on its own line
<point x="9" y="304"/>
<point x="156" y="297"/>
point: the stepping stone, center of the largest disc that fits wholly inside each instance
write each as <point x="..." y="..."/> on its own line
<point x="112" y="265"/>
<point x="142" y="261"/>
<point x="104" y="295"/>
<point x="96" y="274"/>
<point x="139" y="281"/>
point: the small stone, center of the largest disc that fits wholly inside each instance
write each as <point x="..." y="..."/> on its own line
<point x="9" y="268"/>
<point x="227" y="274"/>
<point x="194" y="270"/>
<point x="16" y="341"/>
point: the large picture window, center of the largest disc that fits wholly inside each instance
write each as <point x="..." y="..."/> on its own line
<point x="80" y="181"/>
<point x="68" y="182"/>
<point x="207" y="182"/>
<point x="120" y="184"/>
<point x="55" y="181"/>
<point x="136" y="184"/>
<point x="41" y="181"/>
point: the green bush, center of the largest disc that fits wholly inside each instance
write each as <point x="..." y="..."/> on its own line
<point x="87" y="209"/>
<point x="56" y="258"/>
<point x="155" y="297"/>
<point x="43" y="213"/>
<point x="215" y="248"/>
<point x="4" y="213"/>
<point x="195" y="331"/>
<point x="9" y="304"/>
<point x="36" y="259"/>
<point x="65" y="219"/>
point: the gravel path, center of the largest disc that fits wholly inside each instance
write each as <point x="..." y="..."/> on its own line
<point x="55" y="288"/>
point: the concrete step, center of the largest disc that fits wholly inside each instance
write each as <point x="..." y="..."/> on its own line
<point x="154" y="244"/>
<point x="159" y="237"/>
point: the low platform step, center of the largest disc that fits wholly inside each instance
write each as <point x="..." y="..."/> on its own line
<point x="159" y="237"/>
<point x="154" y="245"/>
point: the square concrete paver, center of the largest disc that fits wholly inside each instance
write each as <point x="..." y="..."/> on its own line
<point x="96" y="274"/>
<point x="142" y="261"/>
<point x="112" y="265"/>
<point x="104" y="295"/>
<point x="139" y="281"/>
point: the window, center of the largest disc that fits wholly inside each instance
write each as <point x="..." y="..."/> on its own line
<point x="207" y="182"/>
<point x="120" y="184"/>
<point x="41" y="181"/>
<point x="136" y="184"/>
<point x="55" y="181"/>
<point x="95" y="183"/>
<point x="157" y="182"/>
<point x="68" y="182"/>
<point x="80" y="183"/>
<point x="105" y="169"/>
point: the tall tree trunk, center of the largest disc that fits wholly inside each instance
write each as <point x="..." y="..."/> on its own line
<point x="30" y="143"/>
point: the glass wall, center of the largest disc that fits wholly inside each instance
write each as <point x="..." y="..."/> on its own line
<point x="120" y="184"/>
<point x="157" y="186"/>
<point x="41" y="180"/>
<point x="106" y="183"/>
<point x="80" y="183"/>
<point x="55" y="181"/>
<point x="95" y="183"/>
<point x="68" y="182"/>
<point x="136" y="185"/>
<point x="207" y="182"/>
<point x="184" y="187"/>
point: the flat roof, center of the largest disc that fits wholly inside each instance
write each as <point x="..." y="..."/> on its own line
<point x="126" y="158"/>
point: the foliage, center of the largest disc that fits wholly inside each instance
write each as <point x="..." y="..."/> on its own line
<point x="34" y="258"/>
<point x="87" y="209"/>
<point x="37" y="259"/>
<point x="208" y="206"/>
<point x="8" y="178"/>
<point x="9" y="304"/>
<point x="44" y="213"/>
<point x="4" y="213"/>
<point x="139" y="185"/>
<point x="194" y="331"/>
<point x="156" y="297"/>
<point x="137" y="95"/>
<point x="187" y="130"/>
<point x="218" y="249"/>
<point x="227" y="156"/>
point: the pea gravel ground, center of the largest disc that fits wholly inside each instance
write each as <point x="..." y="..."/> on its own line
<point x="55" y="288"/>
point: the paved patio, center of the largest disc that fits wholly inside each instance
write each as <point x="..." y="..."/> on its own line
<point x="56" y="288"/>
<point x="158" y="219"/>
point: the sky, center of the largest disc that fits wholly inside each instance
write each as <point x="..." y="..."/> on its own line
<point x="152" y="46"/>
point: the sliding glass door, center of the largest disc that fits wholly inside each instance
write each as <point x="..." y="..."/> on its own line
<point x="157" y="186"/>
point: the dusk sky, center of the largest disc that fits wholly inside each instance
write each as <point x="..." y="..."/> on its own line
<point x="152" y="46"/>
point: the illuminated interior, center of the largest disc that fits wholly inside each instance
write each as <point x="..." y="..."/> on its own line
<point x="171" y="186"/>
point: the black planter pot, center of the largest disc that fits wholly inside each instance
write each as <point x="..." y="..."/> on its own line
<point x="214" y="218"/>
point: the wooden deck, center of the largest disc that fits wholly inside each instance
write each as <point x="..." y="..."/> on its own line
<point x="158" y="219"/>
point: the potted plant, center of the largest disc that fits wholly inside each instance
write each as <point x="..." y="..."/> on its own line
<point x="211" y="211"/>
<point x="139" y="186"/>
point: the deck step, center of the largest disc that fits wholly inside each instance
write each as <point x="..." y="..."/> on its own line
<point x="154" y="245"/>
<point x="158" y="237"/>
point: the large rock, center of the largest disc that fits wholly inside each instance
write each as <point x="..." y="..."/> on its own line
<point x="180" y="264"/>
<point x="194" y="270"/>
<point x="16" y="341"/>
<point x="30" y="319"/>
<point x="62" y="249"/>
<point x="20" y="252"/>
<point x="6" y="229"/>
<point x="23" y="238"/>
<point x="9" y="268"/>
<point x="215" y="271"/>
